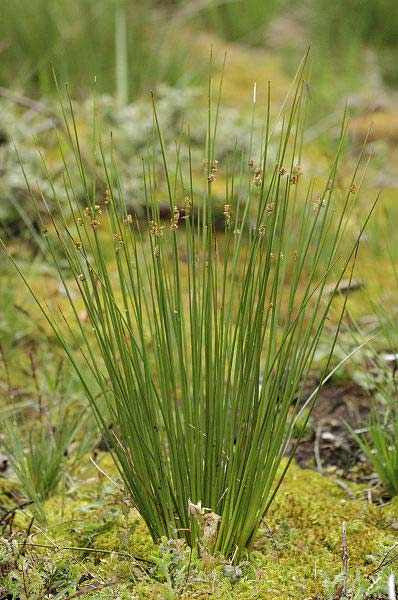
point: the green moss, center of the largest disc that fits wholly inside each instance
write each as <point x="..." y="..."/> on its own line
<point x="297" y="550"/>
<point x="129" y="535"/>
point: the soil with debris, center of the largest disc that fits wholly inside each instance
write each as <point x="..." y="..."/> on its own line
<point x="328" y="445"/>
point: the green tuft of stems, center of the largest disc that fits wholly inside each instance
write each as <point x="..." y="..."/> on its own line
<point x="39" y="458"/>
<point x="379" y="442"/>
<point x="201" y="341"/>
<point x="45" y="435"/>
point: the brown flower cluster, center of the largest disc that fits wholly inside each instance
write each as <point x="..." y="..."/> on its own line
<point x="155" y="229"/>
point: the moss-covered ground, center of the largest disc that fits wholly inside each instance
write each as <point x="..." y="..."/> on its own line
<point x="92" y="537"/>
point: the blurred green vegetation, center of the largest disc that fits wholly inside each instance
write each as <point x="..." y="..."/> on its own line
<point x="126" y="46"/>
<point x="240" y="21"/>
<point x="130" y="45"/>
<point x="343" y="31"/>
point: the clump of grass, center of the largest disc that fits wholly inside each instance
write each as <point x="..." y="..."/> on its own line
<point x="43" y="429"/>
<point x="380" y="442"/>
<point x="39" y="459"/>
<point x="200" y="343"/>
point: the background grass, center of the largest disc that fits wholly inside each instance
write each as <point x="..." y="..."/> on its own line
<point x="131" y="46"/>
<point x="126" y="46"/>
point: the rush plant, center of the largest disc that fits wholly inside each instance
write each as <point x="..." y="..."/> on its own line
<point x="201" y="341"/>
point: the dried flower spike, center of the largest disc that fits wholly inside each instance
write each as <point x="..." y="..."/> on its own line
<point x="214" y="166"/>
<point x="296" y="173"/>
<point x="94" y="224"/>
<point x="175" y="218"/>
<point x="156" y="230"/>
<point x="187" y="204"/>
<point x="318" y="201"/>
<point x="261" y="230"/>
<point x="227" y="214"/>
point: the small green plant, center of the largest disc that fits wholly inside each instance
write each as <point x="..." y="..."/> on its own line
<point x="200" y="343"/>
<point x="172" y="563"/>
<point x="360" y="586"/>
<point x="43" y="453"/>
<point x="379" y="441"/>
<point x="39" y="461"/>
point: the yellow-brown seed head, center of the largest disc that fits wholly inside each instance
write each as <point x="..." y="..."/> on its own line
<point x="94" y="224"/>
<point x="227" y="214"/>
